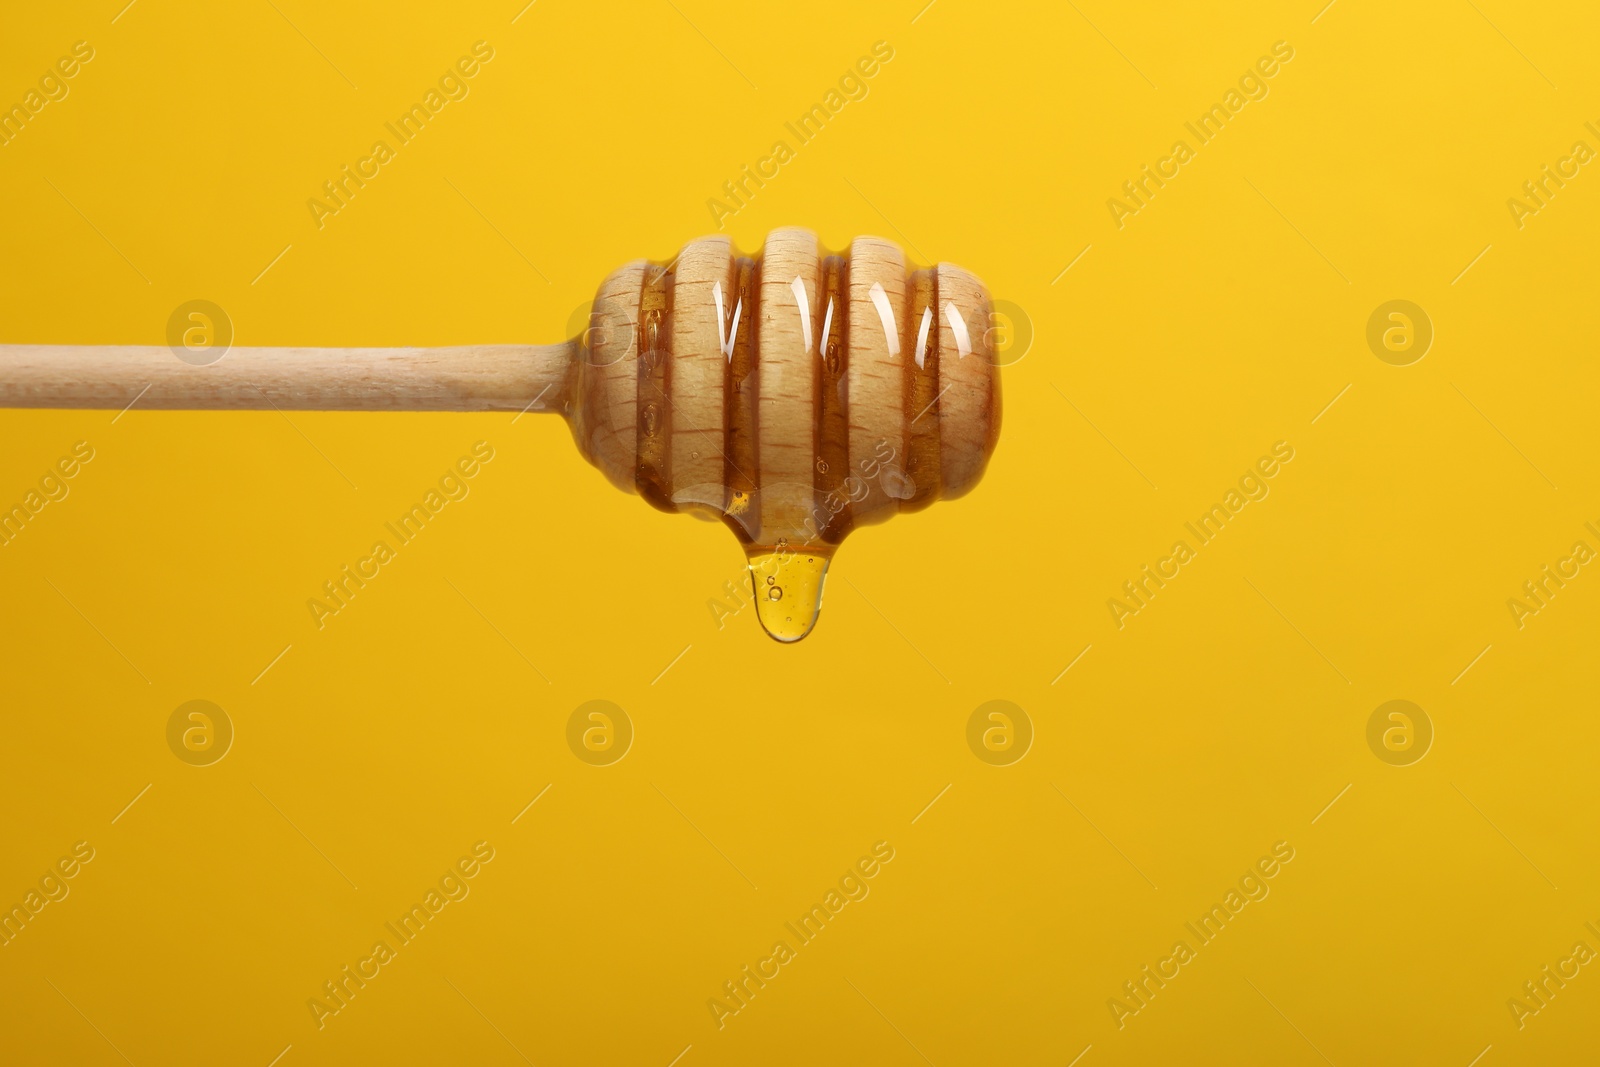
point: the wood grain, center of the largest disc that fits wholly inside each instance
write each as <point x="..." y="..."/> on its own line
<point x="465" y="378"/>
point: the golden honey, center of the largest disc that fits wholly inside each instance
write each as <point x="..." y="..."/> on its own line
<point x="787" y="586"/>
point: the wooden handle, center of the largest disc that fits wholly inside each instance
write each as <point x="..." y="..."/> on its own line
<point x="465" y="378"/>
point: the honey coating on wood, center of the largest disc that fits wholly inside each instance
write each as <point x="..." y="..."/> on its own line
<point x="922" y="392"/>
<point x="833" y="436"/>
<point x="739" y="466"/>
<point x="654" y="426"/>
<point x="793" y="395"/>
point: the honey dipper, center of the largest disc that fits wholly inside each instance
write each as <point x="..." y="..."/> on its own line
<point x="795" y="395"/>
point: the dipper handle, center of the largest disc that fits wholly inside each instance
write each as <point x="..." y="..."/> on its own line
<point x="464" y="378"/>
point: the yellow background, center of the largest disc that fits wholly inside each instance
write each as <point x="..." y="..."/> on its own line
<point x="1225" y="316"/>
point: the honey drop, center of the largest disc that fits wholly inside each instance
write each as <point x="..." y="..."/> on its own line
<point x="793" y="583"/>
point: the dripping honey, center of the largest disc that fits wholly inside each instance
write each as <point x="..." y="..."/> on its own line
<point x="787" y="586"/>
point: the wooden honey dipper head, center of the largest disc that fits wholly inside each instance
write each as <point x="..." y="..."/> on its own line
<point x="795" y="394"/>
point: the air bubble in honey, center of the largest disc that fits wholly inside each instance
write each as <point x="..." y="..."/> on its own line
<point x="794" y="590"/>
